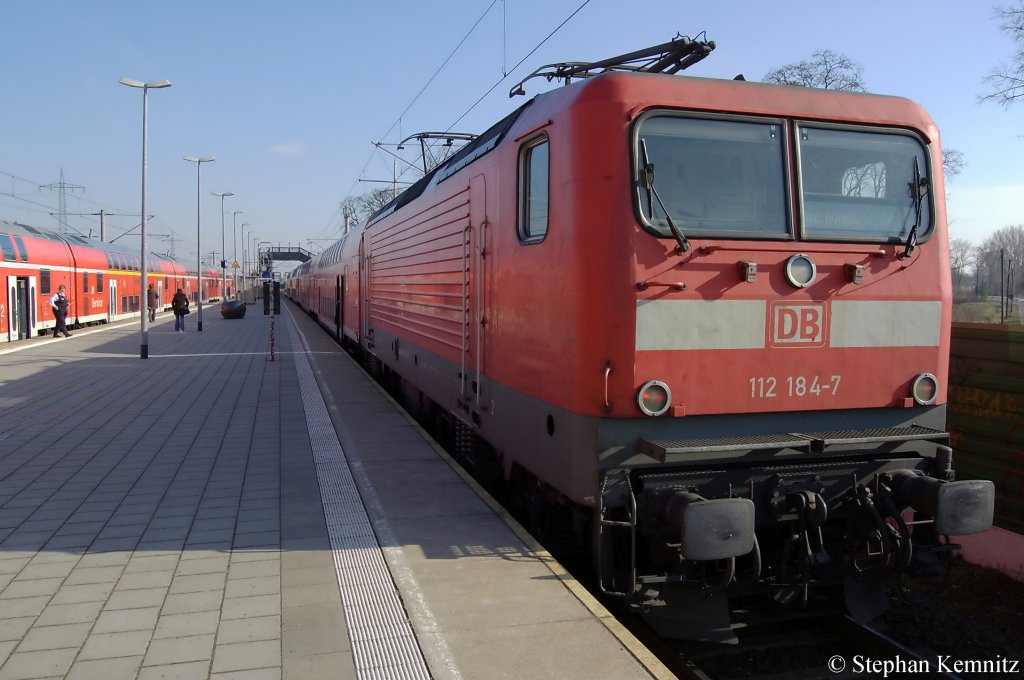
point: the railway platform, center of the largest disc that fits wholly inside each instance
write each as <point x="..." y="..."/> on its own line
<point x="209" y="513"/>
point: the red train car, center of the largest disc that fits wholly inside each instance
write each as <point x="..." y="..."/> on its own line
<point x="700" y="325"/>
<point x="103" y="280"/>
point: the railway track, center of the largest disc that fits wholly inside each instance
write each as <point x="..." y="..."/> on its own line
<point x="832" y="648"/>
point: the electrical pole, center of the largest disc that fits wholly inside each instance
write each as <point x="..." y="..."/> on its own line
<point x="103" y="214"/>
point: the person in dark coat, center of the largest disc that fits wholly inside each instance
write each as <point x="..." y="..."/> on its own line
<point x="179" y="303"/>
<point x="59" y="303"/>
<point x="152" y="298"/>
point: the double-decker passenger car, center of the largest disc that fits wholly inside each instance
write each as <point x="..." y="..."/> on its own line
<point x="700" y="325"/>
<point x="103" y="280"/>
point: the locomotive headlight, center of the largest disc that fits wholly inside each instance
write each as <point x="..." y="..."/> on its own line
<point x="654" y="398"/>
<point x="800" y="271"/>
<point x="925" y="389"/>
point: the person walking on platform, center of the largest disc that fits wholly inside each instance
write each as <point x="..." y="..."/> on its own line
<point x="179" y="303"/>
<point x="59" y="303"/>
<point x="151" y="301"/>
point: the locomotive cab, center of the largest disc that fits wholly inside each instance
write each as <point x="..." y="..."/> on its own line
<point x="786" y="437"/>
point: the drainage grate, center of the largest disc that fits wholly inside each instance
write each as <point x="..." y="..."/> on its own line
<point x="383" y="642"/>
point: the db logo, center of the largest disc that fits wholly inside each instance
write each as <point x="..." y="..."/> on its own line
<point x="798" y="325"/>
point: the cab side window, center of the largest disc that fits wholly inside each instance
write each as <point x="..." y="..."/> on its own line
<point x="533" y="190"/>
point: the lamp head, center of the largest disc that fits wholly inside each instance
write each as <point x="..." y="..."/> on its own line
<point x="152" y="85"/>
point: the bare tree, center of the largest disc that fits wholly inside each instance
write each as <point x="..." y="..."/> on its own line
<point x="1007" y="80"/>
<point x="961" y="253"/>
<point x="374" y="200"/>
<point x="953" y="163"/>
<point x="825" y="69"/>
<point x="828" y="70"/>
<point x="359" y="208"/>
<point x="351" y="211"/>
<point x="1002" y="252"/>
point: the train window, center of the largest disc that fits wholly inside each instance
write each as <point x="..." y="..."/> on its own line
<point x="99" y="282"/>
<point x="85" y="282"/>
<point x="533" y="190"/>
<point x="855" y="184"/>
<point x="23" y="254"/>
<point x="44" y="281"/>
<point x="7" y="246"/>
<point x="715" y="177"/>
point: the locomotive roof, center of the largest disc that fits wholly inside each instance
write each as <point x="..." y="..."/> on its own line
<point x="16" y="228"/>
<point x="694" y="93"/>
<point x="466" y="155"/>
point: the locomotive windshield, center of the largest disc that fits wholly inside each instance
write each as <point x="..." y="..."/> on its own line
<point x="855" y="185"/>
<point x="728" y="178"/>
<point x="715" y="177"/>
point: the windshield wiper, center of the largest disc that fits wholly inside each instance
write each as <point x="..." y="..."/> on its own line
<point x="918" y="189"/>
<point x="648" y="180"/>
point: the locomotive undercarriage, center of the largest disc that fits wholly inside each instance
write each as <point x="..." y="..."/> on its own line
<point x="856" y="517"/>
<point x="783" y="525"/>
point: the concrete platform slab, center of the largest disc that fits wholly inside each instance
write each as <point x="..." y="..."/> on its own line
<point x="169" y="517"/>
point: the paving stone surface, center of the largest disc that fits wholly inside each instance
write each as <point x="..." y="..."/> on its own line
<point x="164" y="518"/>
<point x="141" y="533"/>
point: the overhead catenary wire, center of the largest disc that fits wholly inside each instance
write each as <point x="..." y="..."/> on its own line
<point x="518" y="64"/>
<point x="505" y="75"/>
<point x="439" y="68"/>
<point x="333" y="223"/>
<point x="423" y="89"/>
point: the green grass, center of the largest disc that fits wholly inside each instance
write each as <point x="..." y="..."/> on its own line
<point x="981" y="312"/>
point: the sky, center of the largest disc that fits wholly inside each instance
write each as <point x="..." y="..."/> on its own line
<point x="290" y="97"/>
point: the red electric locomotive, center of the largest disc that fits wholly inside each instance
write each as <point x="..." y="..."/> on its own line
<point x="103" y="280"/>
<point x="701" y="325"/>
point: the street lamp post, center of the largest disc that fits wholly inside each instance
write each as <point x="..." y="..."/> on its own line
<point x="199" y="263"/>
<point x="144" y="313"/>
<point x="223" y="253"/>
<point x="244" y="276"/>
<point x="234" y="249"/>
<point x="254" y="252"/>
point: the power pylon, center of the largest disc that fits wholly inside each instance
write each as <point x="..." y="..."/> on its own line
<point x="62" y="207"/>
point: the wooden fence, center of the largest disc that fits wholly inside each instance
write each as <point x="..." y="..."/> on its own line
<point x="986" y="413"/>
